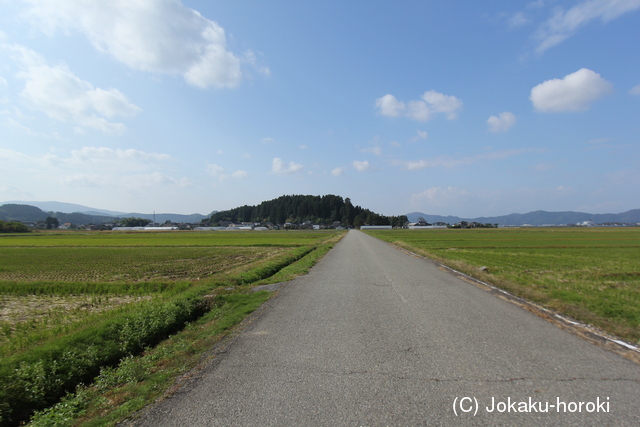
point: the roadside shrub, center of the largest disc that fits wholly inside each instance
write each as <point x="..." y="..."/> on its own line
<point x="13" y="227"/>
<point x="37" y="378"/>
<point x="64" y="412"/>
<point x="275" y="266"/>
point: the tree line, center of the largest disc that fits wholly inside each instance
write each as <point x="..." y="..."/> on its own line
<point x="13" y="227"/>
<point x="297" y="209"/>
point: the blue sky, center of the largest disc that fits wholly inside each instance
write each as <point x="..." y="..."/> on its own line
<point x="467" y="108"/>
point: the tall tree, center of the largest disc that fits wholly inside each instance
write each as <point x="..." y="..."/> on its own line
<point x="52" y="222"/>
<point x="135" y="222"/>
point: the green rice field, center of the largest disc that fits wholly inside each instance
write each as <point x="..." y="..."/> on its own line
<point x="72" y="266"/>
<point x="591" y="274"/>
<point x="284" y="238"/>
<point x="75" y="303"/>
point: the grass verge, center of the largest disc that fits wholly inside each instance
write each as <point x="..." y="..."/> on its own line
<point x="119" y="391"/>
<point x="588" y="274"/>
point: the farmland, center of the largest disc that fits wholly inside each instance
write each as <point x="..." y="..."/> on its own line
<point x="591" y="274"/>
<point x="73" y="304"/>
<point x="122" y="264"/>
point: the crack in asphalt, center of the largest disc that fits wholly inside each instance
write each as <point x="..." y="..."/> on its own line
<point x="450" y="380"/>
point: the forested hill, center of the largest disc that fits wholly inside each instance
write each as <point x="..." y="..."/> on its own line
<point x="298" y="209"/>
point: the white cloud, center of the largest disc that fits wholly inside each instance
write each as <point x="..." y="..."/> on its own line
<point x="16" y="126"/>
<point x="159" y="36"/>
<point x="83" y="180"/>
<point x="145" y="184"/>
<point x="418" y="110"/>
<point x="137" y="182"/>
<point x="374" y="150"/>
<point x="431" y="103"/>
<point x="564" y="23"/>
<point x="599" y="140"/>
<point x="535" y="4"/>
<point x="338" y="171"/>
<point x="501" y="123"/>
<point x="12" y="155"/>
<point x="12" y="192"/>
<point x="420" y="135"/>
<point x="89" y="154"/>
<point x="453" y="162"/>
<point x="438" y="196"/>
<point x="390" y="106"/>
<point x="240" y="174"/>
<point x="575" y="92"/>
<point x="445" y="104"/>
<point x="543" y="167"/>
<point x="63" y="96"/>
<point x="221" y="174"/>
<point x="517" y="20"/>
<point x="635" y="90"/>
<point x="102" y="161"/>
<point x="440" y="161"/>
<point x="130" y="183"/>
<point x="94" y="167"/>
<point x="361" y="166"/>
<point x="418" y="164"/>
<point x="217" y="172"/>
<point x="250" y="58"/>
<point x="279" y="167"/>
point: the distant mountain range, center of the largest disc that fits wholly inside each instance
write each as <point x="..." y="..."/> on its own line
<point x="536" y="218"/>
<point x="79" y="214"/>
<point x="68" y="208"/>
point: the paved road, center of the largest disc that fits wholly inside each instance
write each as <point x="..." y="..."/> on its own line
<point x="375" y="337"/>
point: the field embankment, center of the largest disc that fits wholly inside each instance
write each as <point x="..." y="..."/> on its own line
<point x="76" y="306"/>
<point x="590" y="274"/>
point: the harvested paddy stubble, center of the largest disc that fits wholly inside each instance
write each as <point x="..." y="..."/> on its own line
<point x="123" y="264"/>
<point x="112" y="295"/>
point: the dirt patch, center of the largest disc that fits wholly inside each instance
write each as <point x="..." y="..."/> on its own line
<point x="17" y="309"/>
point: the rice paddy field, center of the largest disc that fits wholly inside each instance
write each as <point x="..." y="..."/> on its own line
<point x="47" y="277"/>
<point x="591" y="274"/>
<point x="75" y="303"/>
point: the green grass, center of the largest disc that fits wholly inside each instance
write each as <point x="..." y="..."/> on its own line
<point x="137" y="381"/>
<point x="81" y="302"/>
<point x="279" y="238"/>
<point x="119" y="391"/>
<point x="592" y="274"/>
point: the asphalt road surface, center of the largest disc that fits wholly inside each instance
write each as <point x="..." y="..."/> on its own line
<point x="373" y="336"/>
